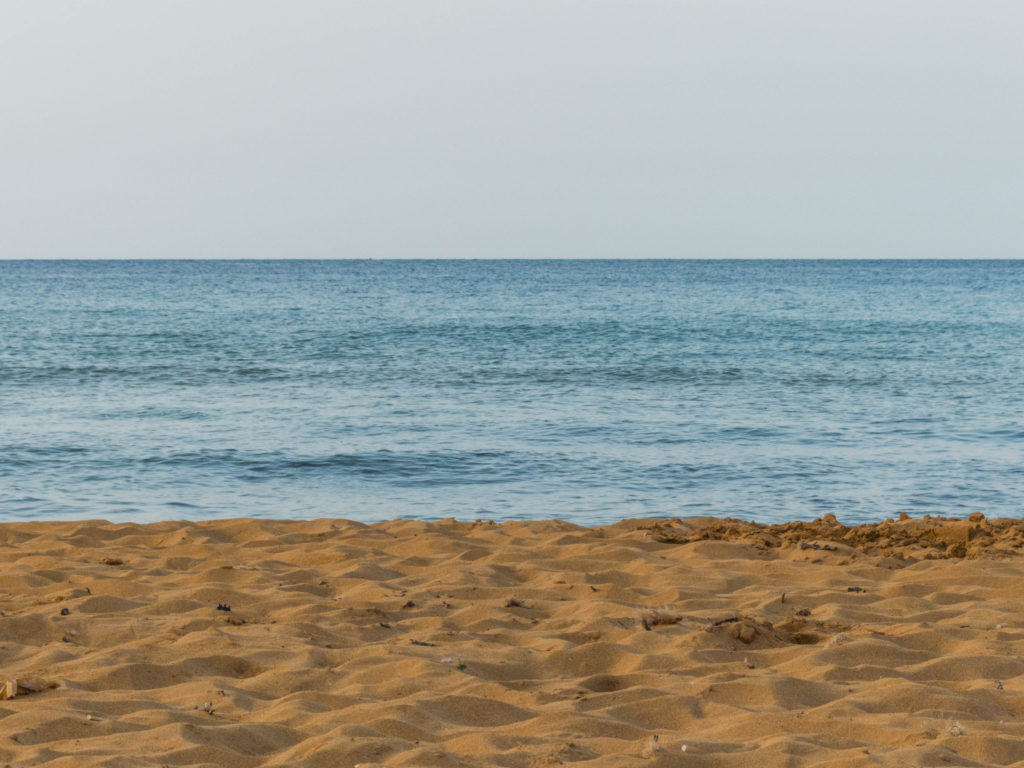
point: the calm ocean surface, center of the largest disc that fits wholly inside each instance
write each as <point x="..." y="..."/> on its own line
<point x="585" y="390"/>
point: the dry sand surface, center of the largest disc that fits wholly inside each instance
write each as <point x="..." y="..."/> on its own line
<point x="521" y="644"/>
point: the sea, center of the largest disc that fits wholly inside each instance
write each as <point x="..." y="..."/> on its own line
<point x="589" y="391"/>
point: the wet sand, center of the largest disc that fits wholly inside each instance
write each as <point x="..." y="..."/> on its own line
<point x="650" y="643"/>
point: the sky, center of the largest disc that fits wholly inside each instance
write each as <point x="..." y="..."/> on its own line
<point x="515" y="129"/>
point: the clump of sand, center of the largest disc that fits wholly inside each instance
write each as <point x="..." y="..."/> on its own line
<point x="651" y="643"/>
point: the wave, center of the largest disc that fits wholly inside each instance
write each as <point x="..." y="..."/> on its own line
<point x="172" y="374"/>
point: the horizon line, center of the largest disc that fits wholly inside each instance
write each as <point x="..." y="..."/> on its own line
<point x="518" y="258"/>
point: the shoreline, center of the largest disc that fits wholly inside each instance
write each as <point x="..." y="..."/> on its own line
<point x="252" y="642"/>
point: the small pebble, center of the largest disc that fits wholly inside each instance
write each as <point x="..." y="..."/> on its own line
<point x="651" y="748"/>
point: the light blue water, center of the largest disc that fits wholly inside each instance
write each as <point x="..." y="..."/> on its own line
<point x="584" y="390"/>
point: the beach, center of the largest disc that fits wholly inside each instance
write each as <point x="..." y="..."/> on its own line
<point x="706" y="642"/>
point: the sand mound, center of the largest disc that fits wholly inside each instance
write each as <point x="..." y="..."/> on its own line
<point x="655" y="642"/>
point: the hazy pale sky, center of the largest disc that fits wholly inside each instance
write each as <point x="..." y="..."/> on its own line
<point x="524" y="128"/>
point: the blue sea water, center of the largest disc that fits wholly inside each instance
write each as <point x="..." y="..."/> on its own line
<point x="584" y="390"/>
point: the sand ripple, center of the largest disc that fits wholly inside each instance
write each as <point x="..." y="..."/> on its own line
<point x="696" y="643"/>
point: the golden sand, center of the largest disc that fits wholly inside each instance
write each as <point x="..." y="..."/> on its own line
<point x="647" y="643"/>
